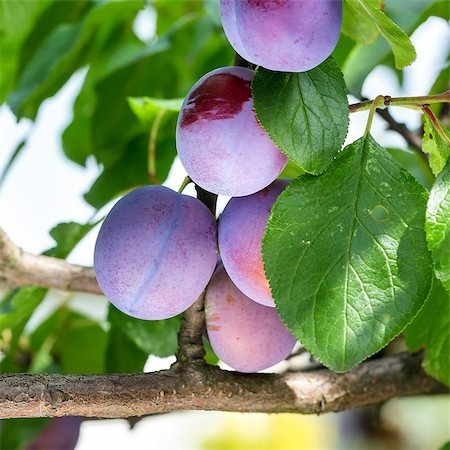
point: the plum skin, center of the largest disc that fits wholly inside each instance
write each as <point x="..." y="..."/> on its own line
<point x="241" y="228"/>
<point x="60" y="433"/>
<point x="219" y="141"/>
<point x="282" y="35"/>
<point x="244" y="334"/>
<point x="155" y="252"/>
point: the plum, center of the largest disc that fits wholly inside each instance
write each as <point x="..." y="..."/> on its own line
<point x="61" y="433"/>
<point x="219" y="141"/>
<point x="155" y="252"/>
<point x="241" y="228"/>
<point x="282" y="35"/>
<point x="244" y="334"/>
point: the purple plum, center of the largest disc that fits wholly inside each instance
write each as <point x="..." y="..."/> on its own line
<point x="241" y="228"/>
<point x="155" y="252"/>
<point x="219" y="141"/>
<point x="244" y="334"/>
<point x="283" y="35"/>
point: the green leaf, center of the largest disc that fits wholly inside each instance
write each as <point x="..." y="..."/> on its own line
<point x="346" y="255"/>
<point x="16" y="309"/>
<point x="291" y="171"/>
<point x="357" y="24"/>
<point x="131" y="170"/>
<point x="17" y="433"/>
<point x="81" y="344"/>
<point x="365" y="12"/>
<point x="122" y="354"/>
<point x="16" y="22"/>
<point x="434" y="145"/>
<point x="67" y="235"/>
<point x="364" y="58"/>
<point x="210" y="356"/>
<point x="438" y="226"/>
<point x="305" y="114"/>
<point x="154" y="337"/>
<point x="441" y="84"/>
<point x="146" y="108"/>
<point x="65" y="49"/>
<point x="58" y="44"/>
<point x="431" y="330"/>
<point x="415" y="164"/>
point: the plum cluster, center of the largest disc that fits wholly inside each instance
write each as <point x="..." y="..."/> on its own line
<point x="156" y="253"/>
<point x="158" y="250"/>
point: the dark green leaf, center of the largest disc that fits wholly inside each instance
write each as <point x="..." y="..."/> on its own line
<point x="81" y="344"/>
<point x="431" y="330"/>
<point x="435" y="146"/>
<point x="17" y="433"/>
<point x="58" y="44"/>
<point x="305" y="114"/>
<point x="438" y="226"/>
<point x="68" y="47"/>
<point x="122" y="354"/>
<point x="131" y="170"/>
<point x="346" y="255"/>
<point x="154" y="337"/>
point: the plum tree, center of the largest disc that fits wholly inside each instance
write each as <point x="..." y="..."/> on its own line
<point x="155" y="252"/>
<point x="241" y="228"/>
<point x="283" y="35"/>
<point x="244" y="334"/>
<point x="220" y="143"/>
<point x="353" y="249"/>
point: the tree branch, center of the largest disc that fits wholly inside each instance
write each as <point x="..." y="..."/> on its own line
<point x="190" y="345"/>
<point x="209" y="388"/>
<point x="410" y="137"/>
<point x="19" y="268"/>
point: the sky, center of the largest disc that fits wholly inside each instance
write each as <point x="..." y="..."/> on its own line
<point x="30" y="205"/>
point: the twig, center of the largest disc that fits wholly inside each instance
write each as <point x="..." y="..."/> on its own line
<point x="406" y="102"/>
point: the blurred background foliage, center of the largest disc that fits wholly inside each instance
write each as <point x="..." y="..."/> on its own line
<point x="134" y="56"/>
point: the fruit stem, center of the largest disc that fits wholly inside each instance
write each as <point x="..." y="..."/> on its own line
<point x="375" y="103"/>
<point x="152" y="145"/>
<point x="185" y="182"/>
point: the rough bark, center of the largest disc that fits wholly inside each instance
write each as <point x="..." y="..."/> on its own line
<point x="19" y="268"/>
<point x="209" y="388"/>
